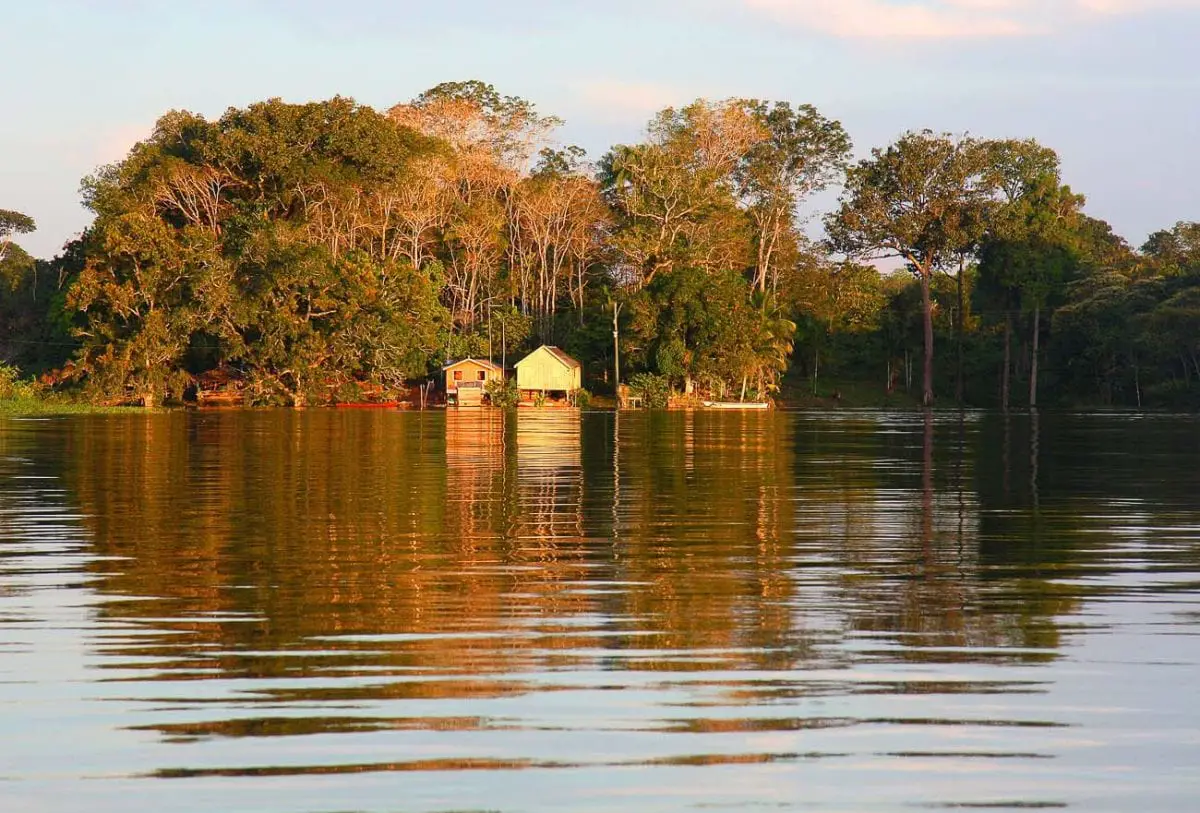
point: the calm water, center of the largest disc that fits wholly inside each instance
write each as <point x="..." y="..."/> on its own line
<point x="369" y="611"/>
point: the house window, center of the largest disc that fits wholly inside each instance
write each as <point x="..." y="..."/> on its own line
<point x="483" y="375"/>
<point x="458" y="375"/>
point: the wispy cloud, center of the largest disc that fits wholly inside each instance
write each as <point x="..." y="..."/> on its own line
<point x="950" y="19"/>
<point x="620" y="99"/>
<point x="114" y="143"/>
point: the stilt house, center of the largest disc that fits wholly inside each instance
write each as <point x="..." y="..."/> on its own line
<point x="466" y="381"/>
<point x="549" y="373"/>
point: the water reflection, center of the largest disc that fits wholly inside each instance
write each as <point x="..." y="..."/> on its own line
<point x="549" y="474"/>
<point x="726" y="601"/>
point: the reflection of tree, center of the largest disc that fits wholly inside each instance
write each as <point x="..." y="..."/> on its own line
<point x="893" y="518"/>
<point x="1050" y="511"/>
<point x="479" y="544"/>
<point x="705" y="530"/>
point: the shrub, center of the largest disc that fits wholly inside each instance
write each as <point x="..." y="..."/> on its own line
<point x="502" y="393"/>
<point x="582" y="398"/>
<point x="12" y="387"/>
<point x="654" y="389"/>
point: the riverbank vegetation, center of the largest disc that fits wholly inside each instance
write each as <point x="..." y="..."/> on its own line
<point x="313" y="253"/>
<point x="24" y="397"/>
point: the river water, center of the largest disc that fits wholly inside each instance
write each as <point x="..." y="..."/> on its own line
<point x="328" y="611"/>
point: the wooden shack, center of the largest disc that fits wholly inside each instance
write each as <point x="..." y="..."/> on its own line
<point x="466" y="381"/>
<point x="550" y="374"/>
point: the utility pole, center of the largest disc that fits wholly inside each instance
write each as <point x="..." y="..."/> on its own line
<point x="616" y="353"/>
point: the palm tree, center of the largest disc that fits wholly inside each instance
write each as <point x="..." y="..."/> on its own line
<point x="771" y="343"/>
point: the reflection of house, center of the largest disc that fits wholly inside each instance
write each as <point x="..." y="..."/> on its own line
<point x="466" y="381"/>
<point x="550" y="373"/>
<point x="474" y="473"/>
<point x="549" y="474"/>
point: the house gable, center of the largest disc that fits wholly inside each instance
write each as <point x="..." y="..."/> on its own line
<point x="484" y="363"/>
<point x="548" y="369"/>
<point x="470" y="373"/>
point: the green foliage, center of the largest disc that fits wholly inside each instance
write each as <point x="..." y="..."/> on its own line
<point x="921" y="200"/>
<point x="311" y="252"/>
<point x="712" y="328"/>
<point x="228" y="236"/>
<point x="13" y="223"/>
<point x="33" y="332"/>
<point x="503" y="393"/>
<point x="23" y="396"/>
<point x="1177" y="249"/>
<point x="655" y="390"/>
<point x="11" y="385"/>
<point x="582" y="398"/>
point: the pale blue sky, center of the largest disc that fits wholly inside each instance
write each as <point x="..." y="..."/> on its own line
<point x="1113" y="85"/>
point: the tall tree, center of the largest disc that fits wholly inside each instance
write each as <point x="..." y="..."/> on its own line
<point x="908" y="201"/>
<point x="12" y="223"/>
<point x="20" y="312"/>
<point x="556" y="218"/>
<point x="255" y="242"/>
<point x="675" y="195"/>
<point x="510" y="230"/>
<point x="1025" y="256"/>
<point x="802" y="153"/>
<point x="1177" y="249"/>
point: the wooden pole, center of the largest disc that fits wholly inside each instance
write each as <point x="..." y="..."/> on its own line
<point x="616" y="353"/>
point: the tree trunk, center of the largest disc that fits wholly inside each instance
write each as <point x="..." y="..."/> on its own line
<point x="1033" y="357"/>
<point x="1005" y="373"/>
<point x="927" y="307"/>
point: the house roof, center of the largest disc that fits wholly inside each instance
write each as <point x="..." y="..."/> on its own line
<point x="481" y="362"/>
<point x="562" y="357"/>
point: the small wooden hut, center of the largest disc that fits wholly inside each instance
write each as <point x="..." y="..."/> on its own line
<point x="466" y="381"/>
<point x="549" y="373"/>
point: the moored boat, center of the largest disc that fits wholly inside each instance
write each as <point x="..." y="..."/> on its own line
<point x="736" y="405"/>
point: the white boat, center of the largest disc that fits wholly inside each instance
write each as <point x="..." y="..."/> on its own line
<point x="736" y="405"/>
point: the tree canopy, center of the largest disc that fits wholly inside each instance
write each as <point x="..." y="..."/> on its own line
<point x="326" y="251"/>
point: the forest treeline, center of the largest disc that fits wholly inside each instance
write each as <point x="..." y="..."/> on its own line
<point x="318" y="252"/>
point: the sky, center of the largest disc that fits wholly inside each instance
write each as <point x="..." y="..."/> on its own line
<point x="1113" y="85"/>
